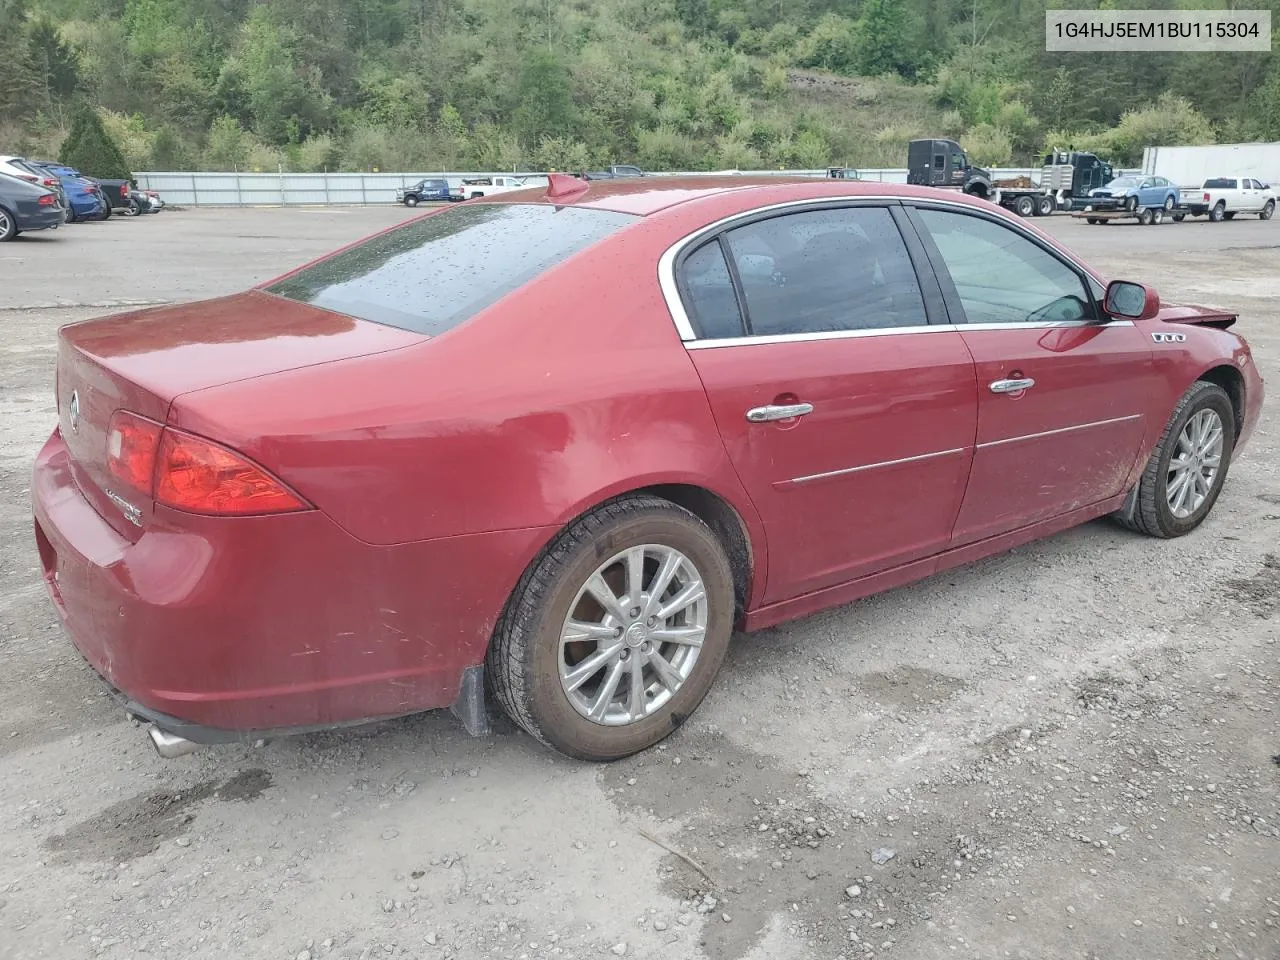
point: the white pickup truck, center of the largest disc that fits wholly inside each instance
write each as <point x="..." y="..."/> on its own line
<point x="488" y="186"/>
<point x="1223" y="197"/>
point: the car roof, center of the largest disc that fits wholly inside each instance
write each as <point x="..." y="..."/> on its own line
<point x="645" y="196"/>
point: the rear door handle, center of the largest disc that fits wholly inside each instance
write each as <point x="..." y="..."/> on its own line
<point x="1012" y="386"/>
<point x="780" y="411"/>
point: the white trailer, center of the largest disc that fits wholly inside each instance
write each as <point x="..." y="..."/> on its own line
<point x="1192" y="166"/>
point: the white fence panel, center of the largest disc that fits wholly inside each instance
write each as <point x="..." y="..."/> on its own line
<point x="274" y="189"/>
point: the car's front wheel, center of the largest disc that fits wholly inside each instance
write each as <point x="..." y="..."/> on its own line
<point x="1186" y="470"/>
<point x="1268" y="210"/>
<point x="410" y="201"/>
<point x="1168" y="203"/>
<point x="614" y="635"/>
<point x="1131" y="204"/>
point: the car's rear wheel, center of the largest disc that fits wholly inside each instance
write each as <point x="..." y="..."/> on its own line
<point x="8" y="226"/>
<point x="1268" y="210"/>
<point x="1218" y="212"/>
<point x="1045" y="206"/>
<point x="614" y="635"/>
<point x="1186" y="470"/>
<point x="1179" y="217"/>
<point x="1024" y="207"/>
<point x="132" y="209"/>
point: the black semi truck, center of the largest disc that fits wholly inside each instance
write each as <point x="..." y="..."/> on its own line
<point x="1066" y="177"/>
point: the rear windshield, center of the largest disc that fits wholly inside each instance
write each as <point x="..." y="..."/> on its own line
<point x="1222" y="183"/>
<point x="431" y="274"/>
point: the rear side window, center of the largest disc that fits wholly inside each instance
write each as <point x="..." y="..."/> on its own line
<point x="824" y="271"/>
<point x="1221" y="183"/>
<point x="432" y="274"/>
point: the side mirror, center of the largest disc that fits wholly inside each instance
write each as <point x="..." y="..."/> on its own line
<point x="1131" y="301"/>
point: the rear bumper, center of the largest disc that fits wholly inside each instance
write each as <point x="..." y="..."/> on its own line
<point x="232" y="628"/>
<point x="42" y="218"/>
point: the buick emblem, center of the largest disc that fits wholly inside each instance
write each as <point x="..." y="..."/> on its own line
<point x="73" y="411"/>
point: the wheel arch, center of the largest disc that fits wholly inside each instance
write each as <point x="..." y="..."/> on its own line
<point x="739" y="531"/>
<point x="1231" y="380"/>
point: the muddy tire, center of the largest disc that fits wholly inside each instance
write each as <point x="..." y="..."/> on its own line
<point x="1169" y="500"/>
<point x="615" y="633"/>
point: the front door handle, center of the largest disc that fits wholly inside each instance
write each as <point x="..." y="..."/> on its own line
<point x="1012" y="386"/>
<point x="778" y="411"/>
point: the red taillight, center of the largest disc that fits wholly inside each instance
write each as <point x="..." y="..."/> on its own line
<point x="196" y="475"/>
<point x="50" y="183"/>
<point x="1206" y="198"/>
<point x="47" y="200"/>
<point x="190" y="473"/>
<point x="124" y="190"/>
<point x="131" y="449"/>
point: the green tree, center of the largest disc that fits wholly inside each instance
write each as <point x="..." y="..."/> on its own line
<point x="228" y="147"/>
<point x="883" y="44"/>
<point x="91" y="150"/>
<point x="545" y="97"/>
<point x="19" y="77"/>
<point x="53" y="60"/>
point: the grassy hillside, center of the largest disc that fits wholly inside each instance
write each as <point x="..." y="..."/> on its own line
<point x="704" y="84"/>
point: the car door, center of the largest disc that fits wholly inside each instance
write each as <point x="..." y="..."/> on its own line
<point x="848" y="417"/>
<point x="1252" y="196"/>
<point x="1061" y="390"/>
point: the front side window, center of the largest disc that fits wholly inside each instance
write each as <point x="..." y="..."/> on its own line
<point x="1003" y="277"/>
<point x="433" y="273"/>
<point x="825" y="270"/>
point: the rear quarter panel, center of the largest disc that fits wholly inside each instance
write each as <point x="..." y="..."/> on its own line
<point x="571" y="390"/>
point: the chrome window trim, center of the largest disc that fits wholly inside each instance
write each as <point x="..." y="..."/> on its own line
<point x="872" y="466"/>
<point x="1050" y="433"/>
<point x="684" y="327"/>
<point x="893" y="331"/>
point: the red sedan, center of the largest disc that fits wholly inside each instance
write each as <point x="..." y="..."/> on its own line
<point x="573" y="439"/>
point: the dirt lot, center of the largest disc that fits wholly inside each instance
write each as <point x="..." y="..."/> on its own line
<point x="1067" y="750"/>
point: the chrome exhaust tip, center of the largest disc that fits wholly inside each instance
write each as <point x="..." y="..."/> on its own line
<point x="169" y="746"/>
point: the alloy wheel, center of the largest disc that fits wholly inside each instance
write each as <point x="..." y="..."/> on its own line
<point x="633" y="634"/>
<point x="1194" y="467"/>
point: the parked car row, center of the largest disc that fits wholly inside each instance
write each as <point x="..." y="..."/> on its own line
<point x="44" y="194"/>
<point x="438" y="189"/>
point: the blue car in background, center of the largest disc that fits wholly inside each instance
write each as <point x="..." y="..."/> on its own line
<point x="1133" y="192"/>
<point x="84" y="197"/>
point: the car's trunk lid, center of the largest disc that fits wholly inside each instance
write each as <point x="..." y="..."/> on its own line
<point x="141" y="361"/>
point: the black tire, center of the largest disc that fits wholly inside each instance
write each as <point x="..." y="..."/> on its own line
<point x="71" y="214"/>
<point x="1157" y="215"/>
<point x="1229" y="215"/>
<point x="523" y="662"/>
<point x="1024" y="207"/>
<point x="1093" y="220"/>
<point x="1046" y="206"/>
<point x="8" y="225"/>
<point x="131" y="209"/>
<point x="1169" y="203"/>
<point x="1147" y="510"/>
<point x="1146" y="217"/>
<point x="1218" y="212"/>
<point x="1131" y="204"/>
<point x="410" y="201"/>
<point x="1179" y="217"/>
<point x="1267" y="211"/>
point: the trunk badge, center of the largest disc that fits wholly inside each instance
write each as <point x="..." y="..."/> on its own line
<point x="73" y="411"/>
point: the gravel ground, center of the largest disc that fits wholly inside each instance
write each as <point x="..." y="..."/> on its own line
<point x="1064" y="751"/>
